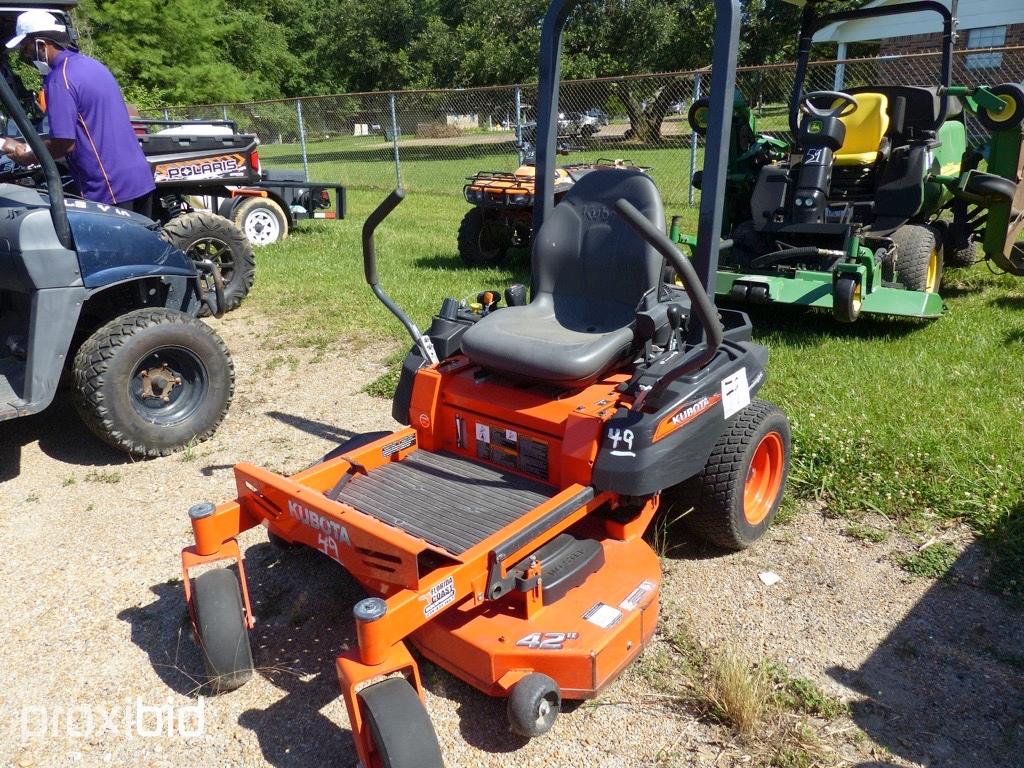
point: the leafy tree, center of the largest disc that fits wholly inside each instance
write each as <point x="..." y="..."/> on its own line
<point x="175" y="50"/>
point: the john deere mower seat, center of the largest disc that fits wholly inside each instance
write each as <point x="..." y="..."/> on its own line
<point x="921" y="107"/>
<point x="591" y="274"/>
<point x="865" y="130"/>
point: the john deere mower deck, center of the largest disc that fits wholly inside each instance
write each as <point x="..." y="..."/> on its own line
<point x="878" y="192"/>
<point x="500" y="532"/>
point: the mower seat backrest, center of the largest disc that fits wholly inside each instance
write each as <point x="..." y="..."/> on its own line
<point x="591" y="274"/>
<point x="865" y="130"/>
<point x="921" y="110"/>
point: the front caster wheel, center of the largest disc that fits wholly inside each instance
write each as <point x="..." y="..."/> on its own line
<point x="533" y="705"/>
<point x="223" y="635"/>
<point x="847" y="298"/>
<point x="738" y="492"/>
<point x="400" y="728"/>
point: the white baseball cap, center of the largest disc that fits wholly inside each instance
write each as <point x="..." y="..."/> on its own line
<point x="34" y="23"/>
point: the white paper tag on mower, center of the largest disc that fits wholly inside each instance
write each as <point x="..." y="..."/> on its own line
<point x="735" y="393"/>
<point x="603" y="615"/>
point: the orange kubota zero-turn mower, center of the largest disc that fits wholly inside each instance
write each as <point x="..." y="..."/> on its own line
<point x="500" y="532"/>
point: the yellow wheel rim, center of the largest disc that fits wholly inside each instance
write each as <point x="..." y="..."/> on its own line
<point x="1008" y="112"/>
<point x="933" y="271"/>
<point x="858" y="299"/>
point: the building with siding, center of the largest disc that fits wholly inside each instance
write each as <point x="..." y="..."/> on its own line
<point x="984" y="24"/>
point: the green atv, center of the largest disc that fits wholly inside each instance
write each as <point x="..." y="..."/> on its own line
<point x="879" y="186"/>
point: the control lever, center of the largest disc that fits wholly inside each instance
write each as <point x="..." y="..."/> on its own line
<point x="488" y="301"/>
<point x="515" y="295"/>
<point x="675" y="321"/>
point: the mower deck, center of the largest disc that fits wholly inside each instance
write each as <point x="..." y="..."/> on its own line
<point x="808" y="288"/>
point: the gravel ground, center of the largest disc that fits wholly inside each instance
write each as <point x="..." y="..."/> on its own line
<point x="93" y="622"/>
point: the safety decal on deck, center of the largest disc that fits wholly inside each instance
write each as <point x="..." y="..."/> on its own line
<point x="735" y="393"/>
<point x="604" y="616"/>
<point x="637" y="596"/>
<point x="440" y="595"/>
<point x="399" y="445"/>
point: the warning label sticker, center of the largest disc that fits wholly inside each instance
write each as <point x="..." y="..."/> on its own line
<point x="603" y="615"/>
<point x="512" y="450"/>
<point x="637" y="596"/>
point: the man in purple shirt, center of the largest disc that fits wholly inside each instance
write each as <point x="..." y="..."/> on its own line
<point x="89" y="123"/>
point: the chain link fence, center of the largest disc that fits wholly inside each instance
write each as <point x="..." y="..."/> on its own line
<point x="434" y="139"/>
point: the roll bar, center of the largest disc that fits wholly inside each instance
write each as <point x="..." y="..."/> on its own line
<point x="811" y="23"/>
<point x="54" y="186"/>
<point x="716" y="158"/>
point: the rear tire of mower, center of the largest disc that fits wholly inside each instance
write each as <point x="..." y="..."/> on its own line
<point x="223" y="635"/>
<point x="400" y="727"/>
<point x="736" y="495"/>
<point x="108" y="371"/>
<point x="482" y="243"/>
<point x="205" y="235"/>
<point x="918" y="257"/>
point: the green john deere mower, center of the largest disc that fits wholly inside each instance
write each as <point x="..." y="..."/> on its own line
<point x="879" y="186"/>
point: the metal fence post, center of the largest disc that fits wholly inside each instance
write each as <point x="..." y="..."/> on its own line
<point x="224" y="110"/>
<point x="693" y="143"/>
<point x="302" y="138"/>
<point x="517" y="99"/>
<point x="394" y="140"/>
<point x="167" y="114"/>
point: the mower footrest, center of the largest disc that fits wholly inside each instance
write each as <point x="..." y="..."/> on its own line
<point x="565" y="563"/>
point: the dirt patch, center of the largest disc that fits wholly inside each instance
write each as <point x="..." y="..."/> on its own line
<point x="95" y="641"/>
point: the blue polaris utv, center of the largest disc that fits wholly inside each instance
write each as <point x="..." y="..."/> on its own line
<point x="96" y="303"/>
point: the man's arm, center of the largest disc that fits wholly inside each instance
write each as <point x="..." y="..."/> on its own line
<point x="22" y="154"/>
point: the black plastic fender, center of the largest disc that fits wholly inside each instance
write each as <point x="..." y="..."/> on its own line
<point x="634" y="460"/>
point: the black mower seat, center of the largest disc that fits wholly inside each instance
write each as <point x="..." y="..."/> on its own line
<point x="591" y="274"/>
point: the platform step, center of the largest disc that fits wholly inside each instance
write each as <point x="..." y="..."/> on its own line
<point x="565" y="564"/>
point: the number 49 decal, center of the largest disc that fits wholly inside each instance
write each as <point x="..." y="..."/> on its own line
<point x="546" y="641"/>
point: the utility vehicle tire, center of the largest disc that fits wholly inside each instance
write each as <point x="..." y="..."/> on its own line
<point x="205" y="235"/>
<point x="736" y="495"/>
<point x="1012" y="116"/>
<point x="223" y="635"/>
<point x="847" y="299"/>
<point x="918" y="257"/>
<point x="400" y="727"/>
<point x="958" y="249"/>
<point x="153" y="381"/>
<point x="533" y="705"/>
<point x="482" y="243"/>
<point x="261" y="220"/>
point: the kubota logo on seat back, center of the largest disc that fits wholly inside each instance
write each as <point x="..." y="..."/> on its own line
<point x="596" y="213"/>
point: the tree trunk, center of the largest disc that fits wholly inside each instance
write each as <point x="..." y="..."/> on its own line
<point x="645" y="119"/>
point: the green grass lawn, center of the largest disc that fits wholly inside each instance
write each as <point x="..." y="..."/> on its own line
<point x="918" y="421"/>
